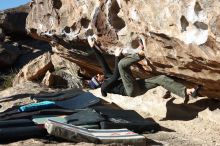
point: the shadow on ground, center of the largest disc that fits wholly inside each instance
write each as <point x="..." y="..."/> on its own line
<point x="189" y="111"/>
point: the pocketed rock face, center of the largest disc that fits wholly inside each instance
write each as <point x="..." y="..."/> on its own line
<point x="182" y="38"/>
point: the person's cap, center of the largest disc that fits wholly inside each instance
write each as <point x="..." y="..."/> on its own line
<point x="93" y="83"/>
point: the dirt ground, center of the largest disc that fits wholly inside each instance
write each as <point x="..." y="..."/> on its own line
<point x="196" y="132"/>
<point x="176" y="131"/>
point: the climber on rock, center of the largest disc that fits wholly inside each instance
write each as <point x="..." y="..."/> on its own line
<point x="121" y="80"/>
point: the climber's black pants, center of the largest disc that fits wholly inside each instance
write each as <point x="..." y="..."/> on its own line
<point x="135" y="87"/>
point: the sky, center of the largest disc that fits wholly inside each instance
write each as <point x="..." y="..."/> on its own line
<point x="5" y="4"/>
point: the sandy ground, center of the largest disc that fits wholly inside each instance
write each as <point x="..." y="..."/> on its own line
<point x="196" y="132"/>
<point x="185" y="132"/>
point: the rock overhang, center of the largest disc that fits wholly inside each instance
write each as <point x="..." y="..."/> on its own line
<point x="181" y="38"/>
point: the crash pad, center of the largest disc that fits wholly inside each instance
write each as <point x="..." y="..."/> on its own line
<point x="81" y="101"/>
<point x="16" y="123"/>
<point x="42" y="119"/>
<point x="20" y="133"/>
<point x="130" y="119"/>
<point x="99" y="136"/>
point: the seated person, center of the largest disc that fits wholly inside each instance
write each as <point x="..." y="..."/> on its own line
<point x="121" y="80"/>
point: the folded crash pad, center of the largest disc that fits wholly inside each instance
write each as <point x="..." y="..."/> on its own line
<point x="90" y="126"/>
<point x="118" y="118"/>
<point x="42" y="119"/>
<point x="84" y="117"/>
<point x="81" y="101"/>
<point x="22" y="115"/>
<point x="58" y="96"/>
<point x="77" y="134"/>
<point x="16" y="123"/>
<point x="20" y="133"/>
<point x="129" y="115"/>
<point x="138" y="126"/>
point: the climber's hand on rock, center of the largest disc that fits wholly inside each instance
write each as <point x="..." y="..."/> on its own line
<point x="118" y="52"/>
<point x="141" y="45"/>
<point x="141" y="53"/>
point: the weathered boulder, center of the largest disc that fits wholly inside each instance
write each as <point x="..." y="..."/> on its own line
<point x="68" y="78"/>
<point x="48" y="79"/>
<point x="54" y="81"/>
<point x="181" y="38"/>
<point x="35" y="69"/>
<point x="12" y="30"/>
<point x="13" y="21"/>
<point x="67" y="70"/>
<point x="8" y="54"/>
<point x="30" y="49"/>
